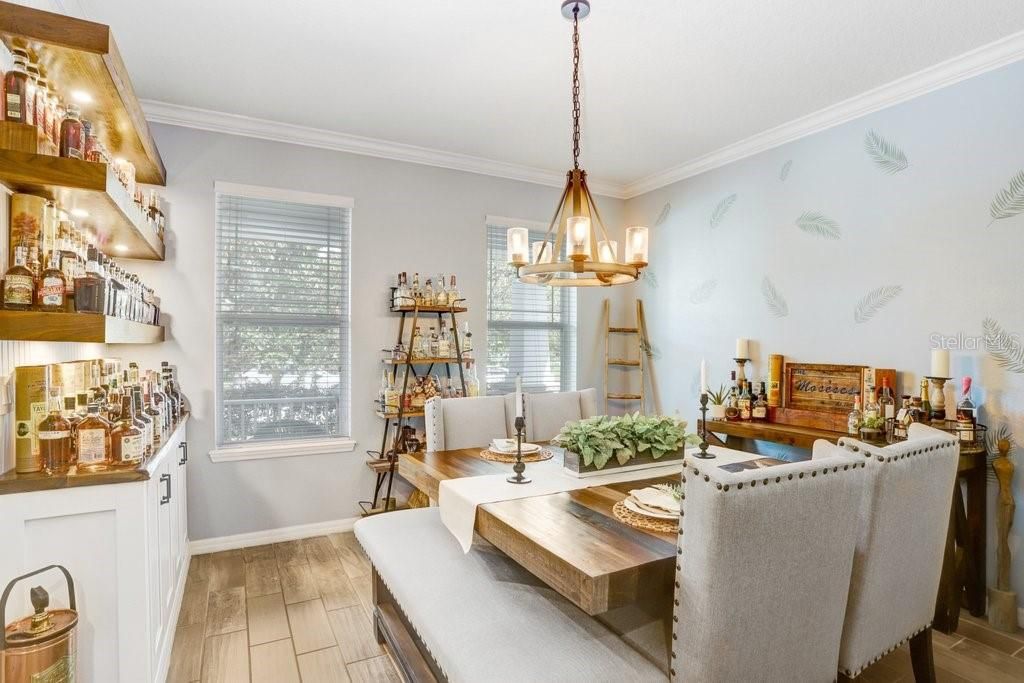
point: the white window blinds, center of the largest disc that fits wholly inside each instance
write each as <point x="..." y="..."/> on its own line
<point x="531" y="329"/>
<point x="282" y="315"/>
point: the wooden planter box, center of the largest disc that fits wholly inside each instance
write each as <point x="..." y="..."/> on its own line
<point x="574" y="463"/>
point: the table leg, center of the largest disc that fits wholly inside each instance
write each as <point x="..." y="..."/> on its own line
<point x="947" y="602"/>
<point x="977" y="486"/>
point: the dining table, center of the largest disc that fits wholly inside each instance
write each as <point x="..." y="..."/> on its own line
<point x="570" y="540"/>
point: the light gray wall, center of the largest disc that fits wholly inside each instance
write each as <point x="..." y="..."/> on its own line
<point x="926" y="229"/>
<point x="406" y="217"/>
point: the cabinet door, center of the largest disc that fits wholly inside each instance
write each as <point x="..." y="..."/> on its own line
<point x="183" y="503"/>
<point x="163" y="544"/>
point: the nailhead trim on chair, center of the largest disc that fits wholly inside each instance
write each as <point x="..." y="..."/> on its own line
<point x="858" y="672"/>
<point x="753" y="482"/>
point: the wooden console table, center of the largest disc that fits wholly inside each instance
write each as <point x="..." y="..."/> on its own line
<point x="963" y="571"/>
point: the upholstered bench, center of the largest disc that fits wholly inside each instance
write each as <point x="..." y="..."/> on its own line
<point x="480" y="616"/>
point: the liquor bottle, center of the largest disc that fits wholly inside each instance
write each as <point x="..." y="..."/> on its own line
<point x="94" y="434"/>
<point x="31" y="90"/>
<point x="417" y="293"/>
<point x="732" y="408"/>
<point x="16" y="87"/>
<point x="467" y="340"/>
<point x="855" y="418"/>
<point x="68" y="265"/>
<point x="391" y="398"/>
<point x="175" y="390"/>
<point x="73" y="419"/>
<point x="872" y="411"/>
<point x="440" y="293"/>
<point x="434" y="342"/>
<point x="453" y="292"/>
<point x="745" y="402"/>
<point x="144" y="422"/>
<point x="19" y="282"/>
<point x="428" y="293"/>
<point x="126" y="439"/>
<point x="158" y="401"/>
<point x="759" y="411"/>
<point x="966" y="413"/>
<point x="90" y="289"/>
<point x="887" y="409"/>
<point x="383" y="393"/>
<point x="40" y="110"/>
<point x="111" y="410"/>
<point x="133" y="373"/>
<point x="71" y="140"/>
<point x="51" y="287"/>
<point x="54" y="434"/>
<point x="444" y="346"/>
<point x="472" y="381"/>
<point x="154" y="415"/>
<point x="926" y="404"/>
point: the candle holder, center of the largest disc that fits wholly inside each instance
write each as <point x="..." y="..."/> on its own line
<point x="938" y="397"/>
<point x="741" y="364"/>
<point x="520" y="466"/>
<point x="703" y="453"/>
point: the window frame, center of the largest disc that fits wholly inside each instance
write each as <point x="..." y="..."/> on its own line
<point x="537" y="231"/>
<point x="281" y="448"/>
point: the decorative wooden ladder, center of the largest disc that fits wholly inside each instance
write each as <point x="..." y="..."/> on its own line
<point x="639" y="331"/>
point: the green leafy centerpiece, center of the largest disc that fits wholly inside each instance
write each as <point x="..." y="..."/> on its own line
<point x="628" y="442"/>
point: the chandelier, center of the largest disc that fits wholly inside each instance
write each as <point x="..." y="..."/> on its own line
<point x="588" y="261"/>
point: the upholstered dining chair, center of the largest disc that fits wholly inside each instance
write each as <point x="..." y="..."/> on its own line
<point x="464" y="422"/>
<point x="763" y="570"/>
<point x="547" y="412"/>
<point x="904" y="517"/>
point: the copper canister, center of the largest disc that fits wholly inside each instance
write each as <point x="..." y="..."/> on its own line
<point x="40" y="648"/>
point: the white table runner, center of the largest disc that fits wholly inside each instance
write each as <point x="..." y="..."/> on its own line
<point x="459" y="498"/>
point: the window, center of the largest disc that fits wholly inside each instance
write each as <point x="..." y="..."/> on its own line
<point x="282" y="315"/>
<point x="531" y="329"/>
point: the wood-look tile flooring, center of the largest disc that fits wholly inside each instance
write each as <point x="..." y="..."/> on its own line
<point x="281" y="613"/>
<point x="300" y="611"/>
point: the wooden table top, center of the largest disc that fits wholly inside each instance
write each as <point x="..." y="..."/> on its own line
<point x="569" y="540"/>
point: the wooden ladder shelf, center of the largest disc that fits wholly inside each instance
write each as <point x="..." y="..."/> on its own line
<point x="643" y="353"/>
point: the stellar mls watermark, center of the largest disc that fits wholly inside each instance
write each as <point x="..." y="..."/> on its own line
<point x="962" y="342"/>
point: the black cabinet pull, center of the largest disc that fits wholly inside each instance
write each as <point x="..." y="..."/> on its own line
<point x="166" y="498"/>
<point x="184" y="453"/>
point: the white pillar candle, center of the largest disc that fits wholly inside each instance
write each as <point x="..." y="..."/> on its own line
<point x="940" y="363"/>
<point x="742" y="348"/>
<point x="703" y="376"/>
<point x="519" y="396"/>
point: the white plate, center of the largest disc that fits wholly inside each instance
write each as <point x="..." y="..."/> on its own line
<point x="527" y="448"/>
<point x="633" y="507"/>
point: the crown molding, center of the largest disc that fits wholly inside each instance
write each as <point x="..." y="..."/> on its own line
<point x="976" y="62"/>
<point x="235" y="124"/>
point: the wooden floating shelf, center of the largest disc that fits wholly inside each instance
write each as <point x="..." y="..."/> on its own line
<point x="430" y="309"/>
<point x="116" y="220"/>
<point x="428" y="361"/>
<point x="407" y="413"/>
<point x="76" y="327"/>
<point x="80" y="55"/>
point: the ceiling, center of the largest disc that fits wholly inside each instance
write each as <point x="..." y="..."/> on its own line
<point x="664" y="81"/>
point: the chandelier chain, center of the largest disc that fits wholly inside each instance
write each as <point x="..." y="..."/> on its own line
<point x="575" y="88"/>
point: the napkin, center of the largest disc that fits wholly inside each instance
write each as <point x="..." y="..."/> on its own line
<point x="503" y="445"/>
<point x="655" y="500"/>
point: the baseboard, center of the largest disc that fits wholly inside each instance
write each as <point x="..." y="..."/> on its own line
<point x="287" y="533"/>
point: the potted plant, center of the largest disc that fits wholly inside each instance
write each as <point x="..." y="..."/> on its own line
<point x="628" y="442"/>
<point x="717" y="401"/>
<point x="872" y="429"/>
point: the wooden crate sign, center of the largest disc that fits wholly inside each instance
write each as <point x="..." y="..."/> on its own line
<point x="828" y="388"/>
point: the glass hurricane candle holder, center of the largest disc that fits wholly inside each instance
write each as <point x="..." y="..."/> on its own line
<point x="608" y="251"/>
<point x="636" y="246"/>
<point x="542" y="252"/>
<point x="517" y="242"/>
<point x="578" y="236"/>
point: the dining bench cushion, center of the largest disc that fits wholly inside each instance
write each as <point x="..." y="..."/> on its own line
<point x="483" y="617"/>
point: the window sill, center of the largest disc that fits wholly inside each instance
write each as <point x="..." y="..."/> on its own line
<point x="283" y="450"/>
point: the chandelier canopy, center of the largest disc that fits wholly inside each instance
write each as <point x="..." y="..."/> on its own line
<point x="587" y="261"/>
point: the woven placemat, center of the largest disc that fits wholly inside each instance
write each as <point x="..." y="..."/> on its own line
<point x="638" y="521"/>
<point x="542" y="454"/>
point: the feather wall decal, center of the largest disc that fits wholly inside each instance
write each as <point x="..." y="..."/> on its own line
<point x="1005" y="348"/>
<point x="703" y="291"/>
<point x="784" y="172"/>
<point x="650" y="349"/>
<point x="776" y="303"/>
<point x="721" y="209"/>
<point x="817" y="223"/>
<point x="665" y="210"/>
<point x="649" y="277"/>
<point x="1010" y="200"/>
<point x="874" y="301"/>
<point x="885" y="154"/>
